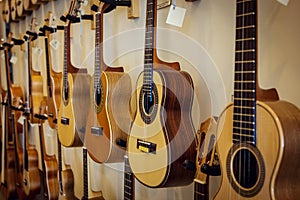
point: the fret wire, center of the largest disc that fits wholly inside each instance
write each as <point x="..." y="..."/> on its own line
<point x="247" y="122"/>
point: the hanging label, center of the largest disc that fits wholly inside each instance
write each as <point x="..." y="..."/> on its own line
<point x="38" y="51"/>
<point x="13" y="59"/>
<point x="284" y="2"/>
<point x="54" y="43"/>
<point x="85" y="2"/>
<point x="176" y="16"/>
<point x="21" y="120"/>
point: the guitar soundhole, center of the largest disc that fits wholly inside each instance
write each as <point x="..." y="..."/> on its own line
<point x="148" y="104"/>
<point x="98" y="97"/>
<point x="65" y="92"/>
<point x="245" y="169"/>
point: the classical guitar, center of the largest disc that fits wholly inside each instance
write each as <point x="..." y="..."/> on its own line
<point x="162" y="137"/>
<point x="258" y="137"/>
<point x="35" y="80"/>
<point x="49" y="163"/>
<point x="72" y="113"/>
<point x="129" y="182"/>
<point x="34" y="94"/>
<point x="108" y="120"/>
<point x="13" y="100"/>
<point x="206" y="160"/>
<point x="53" y="78"/>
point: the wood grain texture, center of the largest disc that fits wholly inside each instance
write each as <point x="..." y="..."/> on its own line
<point x="36" y="96"/>
<point x="114" y="118"/>
<point x="68" y="185"/>
<point x="172" y="131"/>
<point x="274" y="142"/>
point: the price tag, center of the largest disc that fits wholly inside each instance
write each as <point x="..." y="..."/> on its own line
<point x="54" y="44"/>
<point x="13" y="59"/>
<point x="38" y="51"/>
<point x="85" y="2"/>
<point x="176" y="16"/>
<point x="21" y="119"/>
<point x="284" y="2"/>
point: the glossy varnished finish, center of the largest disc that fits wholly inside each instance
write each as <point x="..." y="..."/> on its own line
<point x="68" y="185"/>
<point x="49" y="162"/>
<point x="172" y="131"/>
<point x="277" y="136"/>
<point x="113" y="117"/>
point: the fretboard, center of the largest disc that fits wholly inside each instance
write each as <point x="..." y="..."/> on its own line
<point x="98" y="52"/>
<point x="149" y="47"/>
<point x="48" y="57"/>
<point x="59" y="166"/>
<point x="200" y="191"/>
<point x="29" y="66"/>
<point x="66" y="55"/>
<point x="85" y="175"/>
<point x="245" y="73"/>
<point x="128" y="181"/>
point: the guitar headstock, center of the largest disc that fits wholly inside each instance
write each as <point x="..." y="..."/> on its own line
<point x="49" y="26"/>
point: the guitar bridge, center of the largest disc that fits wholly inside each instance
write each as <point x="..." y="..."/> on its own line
<point x="147" y="147"/>
<point x="97" y="131"/>
<point x="65" y="121"/>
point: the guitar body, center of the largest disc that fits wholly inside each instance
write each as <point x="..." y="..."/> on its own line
<point x="68" y="185"/>
<point x="51" y="177"/>
<point x="169" y="127"/>
<point x="8" y="187"/>
<point x="72" y="113"/>
<point x="278" y="125"/>
<point x="54" y="99"/>
<point x="109" y="118"/>
<point x="31" y="177"/>
<point x="36" y="95"/>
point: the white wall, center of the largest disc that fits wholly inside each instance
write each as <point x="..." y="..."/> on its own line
<point x="204" y="46"/>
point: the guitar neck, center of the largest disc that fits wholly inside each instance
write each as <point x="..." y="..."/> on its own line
<point x="98" y="49"/>
<point x="48" y="64"/>
<point x="128" y="181"/>
<point x="25" y="144"/>
<point x="245" y="78"/>
<point x="85" y="176"/>
<point x="61" y="189"/>
<point x="201" y="191"/>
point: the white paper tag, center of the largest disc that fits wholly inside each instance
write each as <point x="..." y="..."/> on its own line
<point x="38" y="51"/>
<point x="284" y="2"/>
<point x="21" y="119"/>
<point x="176" y="16"/>
<point x="13" y="59"/>
<point x="54" y="44"/>
<point x="85" y="2"/>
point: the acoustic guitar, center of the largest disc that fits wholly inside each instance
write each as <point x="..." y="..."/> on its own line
<point x="35" y="80"/>
<point x="207" y="159"/>
<point x="258" y="135"/>
<point x="162" y="137"/>
<point x="110" y="93"/>
<point x="53" y="78"/>
<point x="13" y="100"/>
<point x="49" y="163"/>
<point x="72" y="113"/>
<point x="30" y="6"/>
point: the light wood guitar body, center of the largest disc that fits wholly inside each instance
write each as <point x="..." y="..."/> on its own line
<point x="108" y="121"/>
<point x="161" y="141"/>
<point x="278" y="125"/>
<point x="67" y="185"/>
<point x="21" y="12"/>
<point x="72" y="114"/>
<point x="31" y="176"/>
<point x="6" y="15"/>
<point x="36" y="95"/>
<point x="28" y="5"/>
